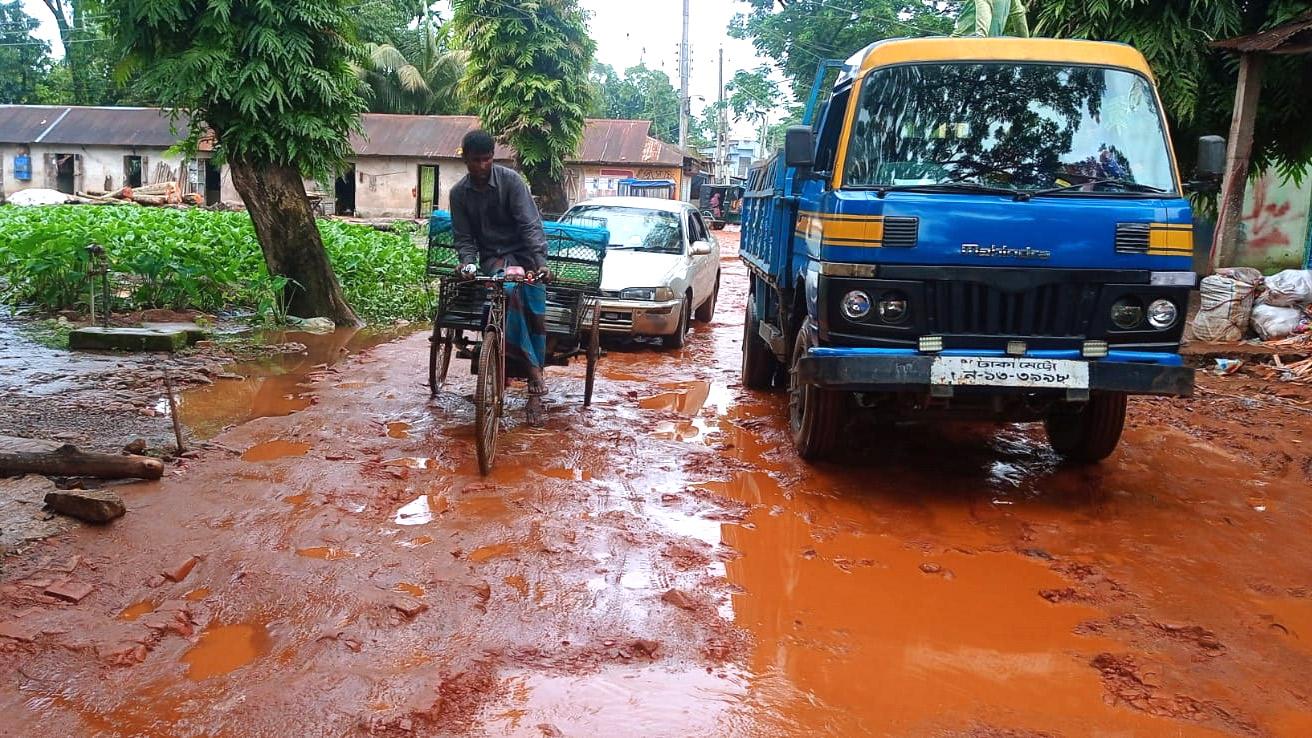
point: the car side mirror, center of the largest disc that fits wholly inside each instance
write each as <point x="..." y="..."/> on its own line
<point x="1210" y="165"/>
<point x="799" y="147"/>
<point x="700" y="248"/>
<point x="1211" y="157"/>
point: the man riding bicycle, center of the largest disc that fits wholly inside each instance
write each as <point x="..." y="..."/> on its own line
<point x="496" y="228"/>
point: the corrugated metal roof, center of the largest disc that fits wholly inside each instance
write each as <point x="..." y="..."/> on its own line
<point x="25" y="123"/>
<point x="77" y="126"/>
<point x="407" y="136"/>
<point x="1295" y="33"/>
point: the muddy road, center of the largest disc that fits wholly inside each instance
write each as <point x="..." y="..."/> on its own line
<point x="662" y="565"/>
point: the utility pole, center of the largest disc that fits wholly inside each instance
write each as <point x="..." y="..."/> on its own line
<point x="721" y="175"/>
<point x="684" y="102"/>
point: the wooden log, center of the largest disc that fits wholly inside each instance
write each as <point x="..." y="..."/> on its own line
<point x="30" y="456"/>
<point x="141" y="199"/>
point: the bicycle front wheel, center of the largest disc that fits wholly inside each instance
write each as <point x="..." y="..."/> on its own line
<point x="487" y="398"/>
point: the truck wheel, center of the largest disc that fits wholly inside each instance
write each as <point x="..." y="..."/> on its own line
<point x="759" y="362"/>
<point x="813" y="413"/>
<point x="680" y="335"/>
<point x="1088" y="434"/>
<point x="707" y="310"/>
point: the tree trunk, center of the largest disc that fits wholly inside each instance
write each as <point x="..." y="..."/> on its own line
<point x="550" y="193"/>
<point x="26" y="455"/>
<point x="275" y="198"/>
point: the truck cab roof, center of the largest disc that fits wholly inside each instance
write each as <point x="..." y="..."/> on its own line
<point x="949" y="49"/>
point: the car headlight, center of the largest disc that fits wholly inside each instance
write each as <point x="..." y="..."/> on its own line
<point x="856" y="305"/>
<point x="1162" y="314"/>
<point x="893" y="308"/>
<point x="1127" y="313"/>
<point x="648" y="294"/>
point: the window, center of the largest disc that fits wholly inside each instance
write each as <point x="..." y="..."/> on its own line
<point x="633" y="228"/>
<point x="1024" y="126"/>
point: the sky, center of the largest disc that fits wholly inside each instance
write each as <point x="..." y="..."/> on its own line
<point x="626" y="34"/>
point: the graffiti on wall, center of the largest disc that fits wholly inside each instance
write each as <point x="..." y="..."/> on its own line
<point x="1273" y="230"/>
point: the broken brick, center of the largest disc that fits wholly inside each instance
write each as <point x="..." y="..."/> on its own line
<point x="70" y="591"/>
<point x="181" y="569"/>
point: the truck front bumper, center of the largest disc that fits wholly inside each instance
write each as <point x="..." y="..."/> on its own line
<point x="888" y="370"/>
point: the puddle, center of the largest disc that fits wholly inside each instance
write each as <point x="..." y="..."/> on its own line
<point x="644" y="701"/>
<point x="223" y="649"/>
<point x="327" y="553"/>
<point x="421" y="510"/>
<point x="411" y="462"/>
<point x="136" y="610"/>
<point x="417" y="541"/>
<point x="686" y="398"/>
<point x="487" y="553"/>
<point x="277" y="449"/>
<point x="398" y="430"/>
<point x="569" y="474"/>
<point x="277" y="385"/>
<point x="297" y="501"/>
<point x="413" y="590"/>
<point x="198" y="594"/>
<point x="518" y="583"/>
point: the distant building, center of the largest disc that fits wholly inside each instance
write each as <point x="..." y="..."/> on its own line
<point x="403" y="165"/>
<point x="739" y="155"/>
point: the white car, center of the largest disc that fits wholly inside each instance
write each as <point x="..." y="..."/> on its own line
<point x="662" y="267"/>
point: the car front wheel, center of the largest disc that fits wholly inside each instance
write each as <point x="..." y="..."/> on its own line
<point x="680" y="335"/>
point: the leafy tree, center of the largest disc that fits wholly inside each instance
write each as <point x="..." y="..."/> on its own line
<point x="753" y="96"/>
<point x="387" y="21"/>
<point x="640" y="93"/>
<point x="88" y="55"/>
<point x="527" y="76"/>
<point x="418" y="73"/>
<point x="993" y="18"/>
<point x="703" y="131"/>
<point x="272" y="83"/>
<point x="25" y="59"/>
<point x="1198" y="82"/>
<point x="798" y="34"/>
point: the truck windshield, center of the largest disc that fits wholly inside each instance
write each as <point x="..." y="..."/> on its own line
<point x="1025" y="127"/>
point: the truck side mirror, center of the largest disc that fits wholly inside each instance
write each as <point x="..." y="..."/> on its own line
<point x="799" y="147"/>
<point x="1211" y="157"/>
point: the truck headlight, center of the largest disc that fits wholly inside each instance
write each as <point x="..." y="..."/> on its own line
<point x="893" y="308"/>
<point x="856" y="305"/>
<point x="1127" y="313"/>
<point x="1162" y="314"/>
<point x="647" y="294"/>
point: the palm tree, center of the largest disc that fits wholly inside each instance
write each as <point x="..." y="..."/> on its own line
<point x="992" y="18"/>
<point x="419" y="75"/>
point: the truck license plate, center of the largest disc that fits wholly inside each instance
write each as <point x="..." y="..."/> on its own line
<point x="983" y="371"/>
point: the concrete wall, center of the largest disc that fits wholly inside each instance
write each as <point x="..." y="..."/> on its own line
<point x="1275" y="230"/>
<point x="99" y="166"/>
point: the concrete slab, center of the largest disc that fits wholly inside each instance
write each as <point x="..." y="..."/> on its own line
<point x="194" y="332"/>
<point x="126" y="339"/>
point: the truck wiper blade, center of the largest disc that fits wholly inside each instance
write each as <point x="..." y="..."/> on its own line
<point x="1124" y="184"/>
<point x="973" y="187"/>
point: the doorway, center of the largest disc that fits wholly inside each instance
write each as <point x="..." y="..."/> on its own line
<point x="344" y="192"/>
<point x="66" y="173"/>
<point x="427" y="198"/>
<point x="132" y="171"/>
<point x="213" y="183"/>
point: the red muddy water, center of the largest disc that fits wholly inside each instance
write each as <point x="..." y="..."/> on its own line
<point x="663" y="565"/>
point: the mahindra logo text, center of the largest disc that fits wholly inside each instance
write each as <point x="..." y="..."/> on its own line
<point x="1008" y="252"/>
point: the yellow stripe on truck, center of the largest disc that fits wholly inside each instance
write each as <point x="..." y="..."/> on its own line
<point x="1170" y="239"/>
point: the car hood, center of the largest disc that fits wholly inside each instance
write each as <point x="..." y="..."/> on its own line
<point x="624" y="268"/>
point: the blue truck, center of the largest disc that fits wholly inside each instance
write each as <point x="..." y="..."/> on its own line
<point x="986" y="229"/>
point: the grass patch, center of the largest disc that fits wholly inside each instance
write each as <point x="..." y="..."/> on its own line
<point x="197" y="259"/>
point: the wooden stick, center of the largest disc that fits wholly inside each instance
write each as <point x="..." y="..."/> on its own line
<point x="173" y="409"/>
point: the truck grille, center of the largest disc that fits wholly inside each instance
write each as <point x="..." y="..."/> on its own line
<point x="1132" y="238"/>
<point x="972" y="308"/>
<point x="901" y="232"/>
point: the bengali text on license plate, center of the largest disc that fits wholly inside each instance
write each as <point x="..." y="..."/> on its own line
<point x="1009" y="372"/>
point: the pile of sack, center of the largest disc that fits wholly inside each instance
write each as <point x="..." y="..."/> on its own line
<point x="1239" y="299"/>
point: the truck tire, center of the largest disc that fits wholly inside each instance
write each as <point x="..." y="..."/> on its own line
<point x="680" y="335"/>
<point x="813" y="414"/>
<point x="759" y="363"/>
<point x="1091" y="433"/>
<point x="706" y="311"/>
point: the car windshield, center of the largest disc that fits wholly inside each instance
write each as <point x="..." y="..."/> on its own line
<point x="633" y="228"/>
<point x="1021" y="126"/>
